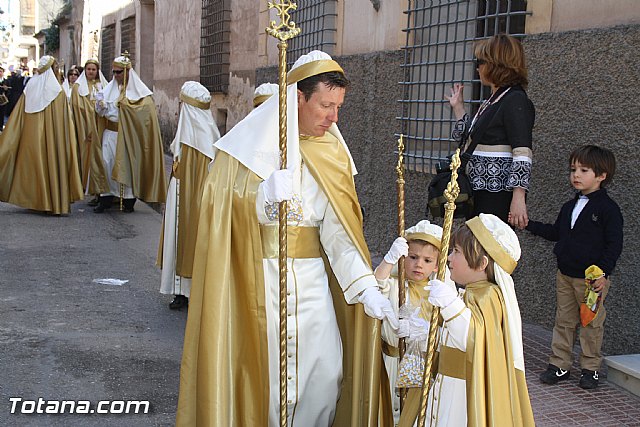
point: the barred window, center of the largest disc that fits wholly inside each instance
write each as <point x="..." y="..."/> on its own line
<point x="107" y="53"/>
<point x="439" y="53"/>
<point x="214" y="45"/>
<point x="317" y="20"/>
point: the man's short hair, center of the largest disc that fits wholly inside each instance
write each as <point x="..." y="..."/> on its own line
<point x="332" y="79"/>
<point x="600" y="159"/>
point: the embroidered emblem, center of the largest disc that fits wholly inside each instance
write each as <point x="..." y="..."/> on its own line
<point x="294" y="211"/>
<point x="594" y="217"/>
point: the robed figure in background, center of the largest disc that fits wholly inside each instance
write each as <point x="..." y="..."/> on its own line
<point x="193" y="151"/>
<point x="131" y="143"/>
<point x="90" y="127"/>
<point x="38" y="149"/>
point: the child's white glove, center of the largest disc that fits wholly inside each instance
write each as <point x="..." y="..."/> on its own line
<point x="413" y="327"/>
<point x="377" y="306"/>
<point x="398" y="249"/>
<point x="279" y="186"/>
<point x="441" y="295"/>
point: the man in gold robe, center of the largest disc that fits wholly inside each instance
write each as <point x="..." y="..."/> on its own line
<point x="38" y="148"/>
<point x="230" y="366"/>
<point x="89" y="127"/>
<point x="131" y="143"/>
<point x="192" y="150"/>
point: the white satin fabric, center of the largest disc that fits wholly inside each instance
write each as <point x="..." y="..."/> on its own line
<point x="40" y="91"/>
<point x="170" y="283"/>
<point x="314" y="348"/>
<point x="136" y="89"/>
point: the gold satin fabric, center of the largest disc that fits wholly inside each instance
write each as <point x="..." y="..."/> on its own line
<point x="38" y="158"/>
<point x="302" y="242"/>
<point x="312" y="69"/>
<point x="224" y="372"/>
<point x="364" y="389"/>
<point x="490" y="244"/>
<point x="89" y="127"/>
<point x="139" y="162"/>
<point x="192" y="171"/>
<point x="497" y="392"/>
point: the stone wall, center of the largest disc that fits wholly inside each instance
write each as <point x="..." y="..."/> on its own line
<point x="177" y="59"/>
<point x="583" y="85"/>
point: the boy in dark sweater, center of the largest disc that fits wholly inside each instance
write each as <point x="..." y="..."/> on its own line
<point x="588" y="231"/>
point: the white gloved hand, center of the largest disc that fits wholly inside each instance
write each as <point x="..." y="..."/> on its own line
<point x="279" y="186"/>
<point x="441" y="295"/>
<point x="398" y="249"/>
<point x="377" y="306"/>
<point x="413" y="327"/>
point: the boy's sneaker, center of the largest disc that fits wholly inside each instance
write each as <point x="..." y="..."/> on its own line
<point x="589" y="379"/>
<point x="553" y="374"/>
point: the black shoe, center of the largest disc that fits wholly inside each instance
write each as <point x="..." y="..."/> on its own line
<point x="180" y="301"/>
<point x="99" y="209"/>
<point x="553" y="374"/>
<point x="588" y="379"/>
<point x="127" y="205"/>
<point x="94" y="201"/>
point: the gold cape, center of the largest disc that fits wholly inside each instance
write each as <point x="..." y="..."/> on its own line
<point x="224" y="372"/>
<point x="38" y="158"/>
<point x="192" y="171"/>
<point x="89" y="128"/>
<point x="495" y="396"/>
<point x="139" y="162"/>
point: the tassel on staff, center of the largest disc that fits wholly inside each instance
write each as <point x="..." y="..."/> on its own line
<point x="283" y="31"/>
<point x="451" y="194"/>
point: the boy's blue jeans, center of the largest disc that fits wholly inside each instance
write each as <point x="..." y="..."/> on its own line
<point x="570" y="294"/>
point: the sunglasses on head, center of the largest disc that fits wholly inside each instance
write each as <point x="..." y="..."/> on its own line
<point x="480" y="62"/>
<point x="118" y="71"/>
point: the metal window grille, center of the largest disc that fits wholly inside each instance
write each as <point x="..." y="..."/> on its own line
<point x="317" y="19"/>
<point x="439" y="53"/>
<point x="214" y="45"/>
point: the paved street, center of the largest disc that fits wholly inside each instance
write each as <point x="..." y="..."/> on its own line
<point x="64" y="337"/>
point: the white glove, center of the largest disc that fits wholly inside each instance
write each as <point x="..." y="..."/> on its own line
<point x="441" y="295"/>
<point x="377" y="306"/>
<point x="279" y="186"/>
<point x="414" y="327"/>
<point x="398" y="249"/>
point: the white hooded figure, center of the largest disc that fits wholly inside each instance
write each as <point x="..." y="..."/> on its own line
<point x="264" y="92"/>
<point x="131" y="148"/>
<point x="193" y="149"/>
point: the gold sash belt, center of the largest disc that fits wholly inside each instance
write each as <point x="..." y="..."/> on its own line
<point x="452" y="362"/>
<point x="302" y="242"/>
<point x="112" y="126"/>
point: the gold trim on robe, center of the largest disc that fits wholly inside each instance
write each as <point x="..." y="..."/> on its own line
<point x="38" y="158"/>
<point x="139" y="162"/>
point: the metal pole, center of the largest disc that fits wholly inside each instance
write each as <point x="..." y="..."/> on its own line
<point x="451" y="194"/>
<point x="401" y="275"/>
<point x="283" y="32"/>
